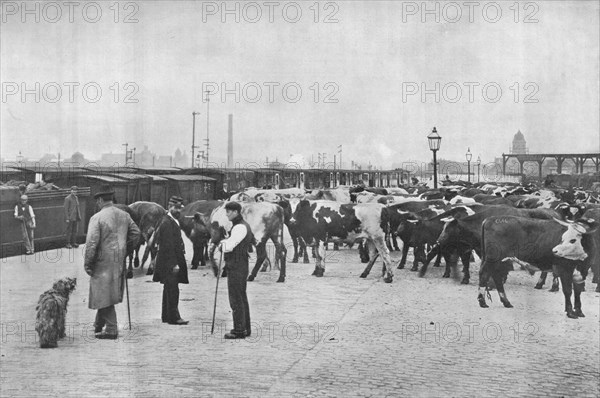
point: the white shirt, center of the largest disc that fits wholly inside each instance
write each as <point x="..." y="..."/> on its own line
<point x="30" y="210"/>
<point x="238" y="233"/>
<point x="171" y="215"/>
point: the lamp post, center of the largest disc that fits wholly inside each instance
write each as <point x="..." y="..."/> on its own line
<point x="478" y="164"/>
<point x="434" y="145"/>
<point x="469" y="156"/>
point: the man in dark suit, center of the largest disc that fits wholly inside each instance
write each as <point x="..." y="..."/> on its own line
<point x="171" y="268"/>
<point x="72" y="217"/>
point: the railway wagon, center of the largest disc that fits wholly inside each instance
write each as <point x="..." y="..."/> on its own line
<point x="48" y="207"/>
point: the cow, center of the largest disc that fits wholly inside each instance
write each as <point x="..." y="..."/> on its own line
<point x="464" y="233"/>
<point x="193" y="220"/>
<point x="147" y="216"/>
<point x="401" y="211"/>
<point x="266" y="221"/>
<point x="288" y="206"/>
<point x="317" y="221"/>
<point x="542" y="244"/>
<point x="593" y="241"/>
<point x="492" y="200"/>
<point x="417" y="231"/>
<point x="130" y="250"/>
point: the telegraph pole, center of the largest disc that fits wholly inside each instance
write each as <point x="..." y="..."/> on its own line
<point x="207" y="122"/>
<point x="194" y="135"/>
<point x="340" y="152"/>
<point x="125" y="145"/>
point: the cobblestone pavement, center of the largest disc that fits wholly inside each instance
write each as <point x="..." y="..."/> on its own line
<point x="333" y="336"/>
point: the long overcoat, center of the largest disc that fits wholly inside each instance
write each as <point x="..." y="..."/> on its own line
<point x="110" y="232"/>
<point x="72" y="208"/>
<point x="171" y="251"/>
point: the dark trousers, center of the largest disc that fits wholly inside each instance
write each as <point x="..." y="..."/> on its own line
<point x="71" y="233"/>
<point x="236" y="284"/>
<point x="170" y="301"/>
<point x="106" y="316"/>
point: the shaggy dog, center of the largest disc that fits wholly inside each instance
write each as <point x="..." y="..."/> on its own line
<point x="52" y="311"/>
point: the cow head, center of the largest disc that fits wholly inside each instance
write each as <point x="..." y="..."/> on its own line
<point x="570" y="246"/>
<point x="303" y="213"/>
<point x="200" y="231"/>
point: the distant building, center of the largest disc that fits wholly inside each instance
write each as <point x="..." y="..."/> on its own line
<point x="519" y="145"/>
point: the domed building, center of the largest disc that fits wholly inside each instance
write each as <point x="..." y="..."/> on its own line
<point x="519" y="145"/>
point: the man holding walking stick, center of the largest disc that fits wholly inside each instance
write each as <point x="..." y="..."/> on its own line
<point x="236" y="249"/>
<point x="110" y="232"/>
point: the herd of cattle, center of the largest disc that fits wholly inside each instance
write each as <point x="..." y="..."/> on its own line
<point x="544" y="230"/>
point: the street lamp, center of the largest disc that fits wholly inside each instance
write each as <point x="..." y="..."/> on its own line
<point x="478" y="164"/>
<point x="434" y="145"/>
<point x="469" y="156"/>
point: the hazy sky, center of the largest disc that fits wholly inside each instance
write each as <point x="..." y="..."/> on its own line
<point x="370" y="62"/>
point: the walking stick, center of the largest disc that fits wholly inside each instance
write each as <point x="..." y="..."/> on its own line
<point x="128" y="309"/>
<point x="212" y="328"/>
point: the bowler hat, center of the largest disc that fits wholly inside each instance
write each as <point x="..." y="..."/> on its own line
<point x="233" y="206"/>
<point x="106" y="195"/>
<point x="176" y="201"/>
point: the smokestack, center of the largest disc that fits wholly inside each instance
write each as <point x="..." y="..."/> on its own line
<point x="230" y="143"/>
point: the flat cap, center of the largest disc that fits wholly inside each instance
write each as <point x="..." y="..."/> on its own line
<point x="74" y="188"/>
<point x="176" y="201"/>
<point x="106" y="195"/>
<point x="233" y="206"/>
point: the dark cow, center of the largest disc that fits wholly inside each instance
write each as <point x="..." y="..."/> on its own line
<point x="147" y="216"/>
<point x="266" y="221"/>
<point x="401" y="211"/>
<point x="299" y="246"/>
<point x="493" y="200"/>
<point x="464" y="233"/>
<point x="593" y="242"/>
<point x="542" y="244"/>
<point x="130" y="250"/>
<point x="193" y="219"/>
<point x="419" y="231"/>
<point x="319" y="220"/>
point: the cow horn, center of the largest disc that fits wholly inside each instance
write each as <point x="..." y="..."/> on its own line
<point x="566" y="224"/>
<point x="447" y="219"/>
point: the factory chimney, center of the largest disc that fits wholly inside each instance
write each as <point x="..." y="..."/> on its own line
<point x="230" y="143"/>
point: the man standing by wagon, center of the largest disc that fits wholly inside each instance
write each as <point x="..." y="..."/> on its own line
<point x="236" y="249"/>
<point x="72" y="217"/>
<point x="24" y="213"/>
<point x="171" y="268"/>
<point x="110" y="232"/>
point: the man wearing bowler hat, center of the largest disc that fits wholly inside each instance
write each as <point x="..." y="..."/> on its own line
<point x="171" y="268"/>
<point x="72" y="217"/>
<point x="110" y="232"/>
<point x="236" y="249"/>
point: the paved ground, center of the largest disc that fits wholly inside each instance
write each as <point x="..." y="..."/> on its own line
<point x="333" y="336"/>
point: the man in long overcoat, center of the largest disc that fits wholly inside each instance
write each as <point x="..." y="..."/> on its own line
<point x="72" y="217"/>
<point x="110" y="232"/>
<point x="171" y="268"/>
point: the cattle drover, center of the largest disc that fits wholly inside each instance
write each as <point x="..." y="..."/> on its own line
<point x="235" y="250"/>
<point x="111" y="232"/>
<point x="72" y="218"/>
<point x="171" y="268"/>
